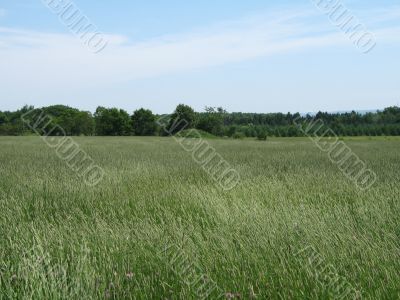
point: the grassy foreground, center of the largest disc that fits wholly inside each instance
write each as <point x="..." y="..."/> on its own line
<point x="60" y="239"/>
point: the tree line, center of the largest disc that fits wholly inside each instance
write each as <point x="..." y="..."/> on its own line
<point x="213" y="122"/>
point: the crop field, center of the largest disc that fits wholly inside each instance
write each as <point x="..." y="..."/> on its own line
<point x="158" y="226"/>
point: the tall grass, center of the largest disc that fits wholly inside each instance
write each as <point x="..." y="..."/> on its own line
<point x="61" y="239"/>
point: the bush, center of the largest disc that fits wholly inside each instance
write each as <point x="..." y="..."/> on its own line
<point x="238" y="136"/>
<point x="262" y="135"/>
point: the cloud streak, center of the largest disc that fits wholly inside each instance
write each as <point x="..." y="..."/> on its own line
<point x="39" y="59"/>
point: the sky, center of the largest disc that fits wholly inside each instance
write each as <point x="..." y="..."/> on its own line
<point x="250" y="56"/>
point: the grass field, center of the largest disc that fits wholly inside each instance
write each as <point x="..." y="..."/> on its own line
<point x="60" y="239"/>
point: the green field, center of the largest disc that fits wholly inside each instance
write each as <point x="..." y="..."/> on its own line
<point x="60" y="239"/>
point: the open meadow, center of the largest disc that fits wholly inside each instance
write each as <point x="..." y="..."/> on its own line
<point x="293" y="228"/>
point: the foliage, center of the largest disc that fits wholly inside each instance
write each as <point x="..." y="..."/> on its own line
<point x="182" y="118"/>
<point x="211" y="121"/>
<point x="112" y="121"/>
<point x="12" y="123"/>
<point x="71" y="120"/>
<point x="238" y="135"/>
<point x="216" y="121"/>
<point x="144" y="122"/>
<point x="262" y="135"/>
<point x="3" y="118"/>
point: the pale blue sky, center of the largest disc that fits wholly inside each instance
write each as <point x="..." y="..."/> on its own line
<point x="251" y="56"/>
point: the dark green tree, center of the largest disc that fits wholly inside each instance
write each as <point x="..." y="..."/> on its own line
<point x="182" y="118"/>
<point x="3" y="118"/>
<point x="112" y="121"/>
<point x="261" y="134"/>
<point x="212" y="120"/>
<point x="71" y="120"/>
<point x="144" y="122"/>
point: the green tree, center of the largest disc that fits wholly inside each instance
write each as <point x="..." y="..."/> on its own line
<point x="230" y="131"/>
<point x="84" y="123"/>
<point x="182" y="118"/>
<point x="3" y="118"/>
<point x="144" y="122"/>
<point x="261" y="134"/>
<point x="112" y="121"/>
<point x="212" y="120"/>
<point x="71" y="120"/>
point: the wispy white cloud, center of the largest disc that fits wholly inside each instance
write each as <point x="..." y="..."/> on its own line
<point x="2" y="12"/>
<point x="42" y="60"/>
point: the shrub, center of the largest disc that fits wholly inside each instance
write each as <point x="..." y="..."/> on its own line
<point x="238" y="136"/>
<point x="262" y="135"/>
